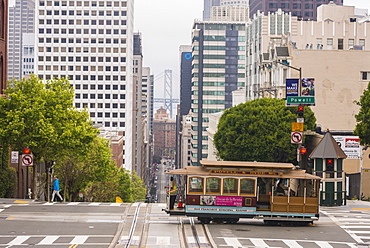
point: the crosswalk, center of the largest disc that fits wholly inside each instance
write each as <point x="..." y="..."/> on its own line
<point x="355" y="222"/>
<point x="282" y="243"/>
<point x="55" y="240"/>
<point x="95" y="204"/>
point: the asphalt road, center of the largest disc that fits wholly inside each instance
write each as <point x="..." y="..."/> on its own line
<point x="40" y="224"/>
<point x="60" y="224"/>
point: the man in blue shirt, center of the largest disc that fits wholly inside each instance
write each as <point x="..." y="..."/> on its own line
<point x="56" y="189"/>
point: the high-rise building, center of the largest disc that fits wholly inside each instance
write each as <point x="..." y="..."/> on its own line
<point x="208" y="4"/>
<point x="137" y="130"/>
<point x="91" y="43"/>
<point x="218" y="69"/>
<point x="3" y="44"/>
<point x="21" y="39"/>
<point x="185" y="98"/>
<point x="304" y="9"/>
<point x="185" y="79"/>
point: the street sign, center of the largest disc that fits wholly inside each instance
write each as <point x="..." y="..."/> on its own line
<point x="15" y="155"/>
<point x="300" y="100"/>
<point x="297" y="126"/>
<point x="27" y="159"/>
<point x="296" y="137"/>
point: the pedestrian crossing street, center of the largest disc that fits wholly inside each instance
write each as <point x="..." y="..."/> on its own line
<point x="55" y="240"/>
<point x="282" y="243"/>
<point x="355" y="222"/>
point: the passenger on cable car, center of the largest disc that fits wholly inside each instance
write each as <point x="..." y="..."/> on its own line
<point x="281" y="189"/>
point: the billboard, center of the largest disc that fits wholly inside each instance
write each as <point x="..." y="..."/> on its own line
<point x="308" y="87"/>
<point x="350" y="145"/>
<point x="292" y="86"/>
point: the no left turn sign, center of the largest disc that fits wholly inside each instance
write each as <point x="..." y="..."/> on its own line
<point x="27" y="159"/>
<point x="296" y="137"/>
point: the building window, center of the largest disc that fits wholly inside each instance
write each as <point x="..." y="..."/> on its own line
<point x="365" y="75"/>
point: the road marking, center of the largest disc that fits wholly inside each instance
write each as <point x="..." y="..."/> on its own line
<point x="234" y="242"/>
<point x="48" y="240"/>
<point x="19" y="201"/>
<point x="18" y="240"/>
<point x="79" y="240"/>
<point x="73" y="203"/>
<point x="355" y="227"/>
<point x="323" y="244"/>
<point x="259" y="242"/>
<point x="2" y="210"/>
<point x="361" y="209"/>
<point x="48" y="203"/>
<point x="94" y="204"/>
<point x="117" y="204"/>
<point x="163" y="241"/>
<point x="292" y="243"/>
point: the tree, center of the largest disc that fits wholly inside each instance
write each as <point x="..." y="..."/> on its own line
<point x="40" y="115"/>
<point x="259" y="130"/>
<point x="362" y="128"/>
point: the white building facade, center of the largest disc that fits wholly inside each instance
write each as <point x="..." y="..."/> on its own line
<point x="91" y="43"/>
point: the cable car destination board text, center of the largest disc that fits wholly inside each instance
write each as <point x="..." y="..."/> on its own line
<point x="247" y="172"/>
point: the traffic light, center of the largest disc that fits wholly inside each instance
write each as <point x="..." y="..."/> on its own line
<point x="302" y="150"/>
<point x="300" y="111"/>
<point x="26" y="151"/>
<point x="330" y="164"/>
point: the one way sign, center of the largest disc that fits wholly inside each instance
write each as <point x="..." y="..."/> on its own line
<point x="27" y="159"/>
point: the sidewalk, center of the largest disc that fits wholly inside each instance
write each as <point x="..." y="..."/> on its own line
<point x="15" y="201"/>
<point x="352" y="205"/>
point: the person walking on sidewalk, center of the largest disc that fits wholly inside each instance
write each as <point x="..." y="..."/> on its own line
<point x="56" y="189"/>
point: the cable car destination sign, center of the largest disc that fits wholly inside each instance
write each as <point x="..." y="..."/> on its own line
<point x="246" y="172"/>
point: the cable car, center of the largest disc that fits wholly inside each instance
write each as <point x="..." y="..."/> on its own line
<point x="225" y="191"/>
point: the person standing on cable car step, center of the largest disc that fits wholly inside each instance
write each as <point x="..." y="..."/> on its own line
<point x="173" y="193"/>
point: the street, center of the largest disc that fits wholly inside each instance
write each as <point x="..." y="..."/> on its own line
<point x="82" y="224"/>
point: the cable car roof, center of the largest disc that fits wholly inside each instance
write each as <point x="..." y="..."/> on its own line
<point x="244" y="169"/>
<point x="243" y="164"/>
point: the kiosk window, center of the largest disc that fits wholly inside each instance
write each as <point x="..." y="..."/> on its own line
<point x="213" y="185"/>
<point x="247" y="186"/>
<point x="230" y="186"/>
<point x="195" y="185"/>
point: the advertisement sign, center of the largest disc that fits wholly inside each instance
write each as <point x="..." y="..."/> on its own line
<point x="350" y="146"/>
<point x="308" y="87"/>
<point x="292" y="86"/>
<point x="229" y="201"/>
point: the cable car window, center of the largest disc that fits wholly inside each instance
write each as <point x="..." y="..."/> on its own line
<point x="195" y="185"/>
<point x="230" y="186"/>
<point x="247" y="186"/>
<point x="213" y="185"/>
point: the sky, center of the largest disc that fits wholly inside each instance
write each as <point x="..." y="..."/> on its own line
<point x="167" y="24"/>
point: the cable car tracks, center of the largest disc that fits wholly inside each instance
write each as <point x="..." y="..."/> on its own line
<point x="195" y="235"/>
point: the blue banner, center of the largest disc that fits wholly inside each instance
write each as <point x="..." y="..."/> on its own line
<point x="292" y="85"/>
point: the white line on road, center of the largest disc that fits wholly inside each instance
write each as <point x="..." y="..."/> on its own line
<point x="292" y="244"/>
<point x="115" y="204"/>
<point x="73" y="203"/>
<point x="259" y="242"/>
<point x="48" y="240"/>
<point x="18" y="240"/>
<point x="79" y="240"/>
<point x="94" y="204"/>
<point x="323" y="244"/>
<point x="234" y="242"/>
<point x="355" y="227"/>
